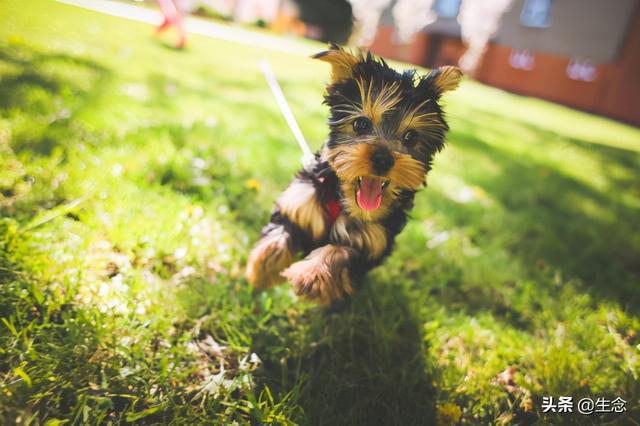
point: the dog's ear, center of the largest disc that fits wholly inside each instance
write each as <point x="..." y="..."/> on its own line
<point x="444" y="79"/>
<point x="341" y="61"/>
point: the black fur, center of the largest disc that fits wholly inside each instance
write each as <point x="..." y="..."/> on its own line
<point x="415" y="90"/>
<point x="327" y="187"/>
<point x="414" y="95"/>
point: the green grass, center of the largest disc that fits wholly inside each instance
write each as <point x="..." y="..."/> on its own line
<point x="134" y="178"/>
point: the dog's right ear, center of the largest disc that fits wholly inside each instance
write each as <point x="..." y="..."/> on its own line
<point x="341" y="61"/>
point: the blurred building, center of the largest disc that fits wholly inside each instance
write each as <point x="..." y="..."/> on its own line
<point x="581" y="53"/>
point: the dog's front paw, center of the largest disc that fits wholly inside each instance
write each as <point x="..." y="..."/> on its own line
<point x="268" y="258"/>
<point x="322" y="276"/>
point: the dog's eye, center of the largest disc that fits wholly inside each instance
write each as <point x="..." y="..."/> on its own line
<point x="361" y="125"/>
<point x="409" y="137"/>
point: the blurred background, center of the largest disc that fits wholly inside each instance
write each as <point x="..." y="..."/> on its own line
<point x="141" y="152"/>
<point x="583" y="54"/>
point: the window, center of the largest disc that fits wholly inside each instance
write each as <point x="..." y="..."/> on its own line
<point x="447" y="8"/>
<point x="522" y="60"/>
<point x="536" y="13"/>
<point x="581" y="70"/>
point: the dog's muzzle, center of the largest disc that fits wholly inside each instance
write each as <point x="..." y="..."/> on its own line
<point x="382" y="161"/>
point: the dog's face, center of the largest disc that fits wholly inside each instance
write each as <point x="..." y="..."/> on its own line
<point x="385" y="128"/>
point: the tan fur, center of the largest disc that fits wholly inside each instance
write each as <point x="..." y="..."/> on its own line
<point x="351" y="161"/>
<point x="298" y="202"/>
<point x="415" y="120"/>
<point x="370" y="105"/>
<point x="407" y="172"/>
<point x="368" y="237"/>
<point x="448" y="79"/>
<point x="341" y="61"/>
<point x="384" y="100"/>
<point x="268" y="258"/>
<point x="323" y="275"/>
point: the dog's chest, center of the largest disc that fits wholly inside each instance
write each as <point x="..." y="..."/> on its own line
<point x="369" y="237"/>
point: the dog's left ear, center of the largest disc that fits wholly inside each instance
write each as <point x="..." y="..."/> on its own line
<point x="444" y="79"/>
<point x="341" y="61"/>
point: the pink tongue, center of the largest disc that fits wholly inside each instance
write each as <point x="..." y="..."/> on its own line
<point x="370" y="194"/>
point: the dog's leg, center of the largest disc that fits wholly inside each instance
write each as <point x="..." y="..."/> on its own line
<point x="325" y="274"/>
<point x="273" y="253"/>
<point x="298" y="217"/>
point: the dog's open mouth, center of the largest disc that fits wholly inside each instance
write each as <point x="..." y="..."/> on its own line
<point x="369" y="192"/>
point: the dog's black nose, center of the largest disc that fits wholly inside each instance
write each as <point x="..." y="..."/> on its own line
<point x="382" y="161"/>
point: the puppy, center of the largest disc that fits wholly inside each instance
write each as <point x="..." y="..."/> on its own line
<point x="343" y="211"/>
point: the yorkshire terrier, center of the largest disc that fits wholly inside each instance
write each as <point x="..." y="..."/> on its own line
<point x="345" y="209"/>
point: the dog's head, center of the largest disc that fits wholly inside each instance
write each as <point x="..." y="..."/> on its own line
<point x="385" y="128"/>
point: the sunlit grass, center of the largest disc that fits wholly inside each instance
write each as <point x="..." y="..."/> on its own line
<point x="133" y="179"/>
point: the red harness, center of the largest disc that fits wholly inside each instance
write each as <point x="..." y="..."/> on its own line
<point x="332" y="208"/>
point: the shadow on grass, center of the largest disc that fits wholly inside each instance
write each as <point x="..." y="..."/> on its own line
<point x="361" y="365"/>
<point x="50" y="88"/>
<point x="554" y="221"/>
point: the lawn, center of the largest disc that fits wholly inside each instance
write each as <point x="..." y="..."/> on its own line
<point x="134" y="179"/>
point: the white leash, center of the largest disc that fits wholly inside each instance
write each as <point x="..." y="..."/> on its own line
<point x="307" y="155"/>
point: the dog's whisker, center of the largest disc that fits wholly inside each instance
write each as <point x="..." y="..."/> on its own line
<point x="345" y="210"/>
